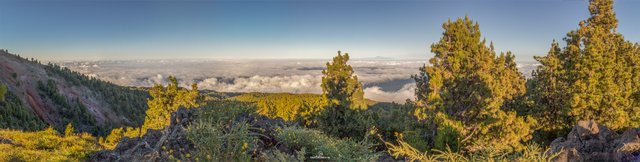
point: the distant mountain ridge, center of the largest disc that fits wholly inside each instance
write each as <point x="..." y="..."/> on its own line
<point x="58" y="96"/>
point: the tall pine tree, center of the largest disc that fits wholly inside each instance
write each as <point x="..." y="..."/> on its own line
<point x="345" y="97"/>
<point x="595" y="77"/>
<point x="465" y="91"/>
<point x="548" y="92"/>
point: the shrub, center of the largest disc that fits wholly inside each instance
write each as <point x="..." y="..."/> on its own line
<point x="532" y="152"/>
<point x="221" y="142"/>
<point x="317" y="143"/>
<point x="111" y="141"/>
<point x="277" y="155"/>
<point x="216" y="135"/>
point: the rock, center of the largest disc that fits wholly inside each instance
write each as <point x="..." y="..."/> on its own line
<point x="5" y="141"/>
<point x="629" y="142"/>
<point x="155" y="145"/>
<point x="570" y="154"/>
<point x="589" y="141"/>
<point x="586" y="129"/>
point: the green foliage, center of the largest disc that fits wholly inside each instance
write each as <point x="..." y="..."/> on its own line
<point x="70" y="111"/>
<point x="404" y="150"/>
<point x="14" y="115"/>
<point x="340" y="86"/>
<point x="449" y="133"/>
<point x="215" y="143"/>
<point x="316" y="143"/>
<point x="132" y="132"/>
<point x="166" y="100"/>
<point x="343" y="115"/>
<point x="465" y="92"/>
<point x="69" y="131"/>
<point x="302" y="108"/>
<point x="46" y="145"/>
<point x="217" y="137"/>
<point x="290" y="107"/>
<point x="277" y="155"/>
<point x="549" y="95"/>
<point x="391" y="118"/>
<point x="531" y="153"/>
<point x="3" y="91"/>
<point x="593" y="78"/>
<point x="111" y="141"/>
<point x="126" y="102"/>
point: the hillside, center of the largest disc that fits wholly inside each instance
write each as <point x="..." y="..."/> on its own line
<point x="45" y="95"/>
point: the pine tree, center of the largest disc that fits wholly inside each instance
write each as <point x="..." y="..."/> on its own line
<point x="549" y="93"/>
<point x="69" y="130"/>
<point x="345" y="97"/>
<point x="465" y="91"/>
<point x="3" y="91"/>
<point x="167" y="100"/>
<point x="341" y="86"/>
<point x="597" y="75"/>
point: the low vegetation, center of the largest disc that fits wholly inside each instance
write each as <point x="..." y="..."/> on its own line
<point x="289" y="107"/>
<point x="531" y="153"/>
<point x="218" y="137"/>
<point x="46" y="145"/>
<point x="318" y="145"/>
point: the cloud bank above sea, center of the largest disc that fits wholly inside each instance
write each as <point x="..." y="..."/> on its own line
<point x="383" y="80"/>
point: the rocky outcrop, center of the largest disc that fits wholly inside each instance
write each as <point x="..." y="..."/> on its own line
<point x="172" y="143"/>
<point x="155" y="145"/>
<point x="589" y="141"/>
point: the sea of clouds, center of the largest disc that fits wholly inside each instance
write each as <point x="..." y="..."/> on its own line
<point x="383" y="80"/>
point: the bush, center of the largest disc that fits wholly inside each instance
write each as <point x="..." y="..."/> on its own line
<point x="217" y="142"/>
<point x="216" y="135"/>
<point x="532" y="152"/>
<point x="350" y="124"/>
<point x="111" y="141"/>
<point x="277" y="155"/>
<point x="317" y="143"/>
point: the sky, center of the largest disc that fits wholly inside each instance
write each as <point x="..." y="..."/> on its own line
<point x="282" y="29"/>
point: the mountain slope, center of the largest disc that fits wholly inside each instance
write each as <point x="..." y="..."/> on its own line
<point x="58" y="96"/>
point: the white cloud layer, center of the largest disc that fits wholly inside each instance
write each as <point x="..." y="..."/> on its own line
<point x="399" y="96"/>
<point x="257" y="83"/>
<point x="384" y="80"/>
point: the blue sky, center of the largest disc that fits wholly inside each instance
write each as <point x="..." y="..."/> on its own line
<point x="133" y="29"/>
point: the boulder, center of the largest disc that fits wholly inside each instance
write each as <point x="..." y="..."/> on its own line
<point x="589" y="141"/>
